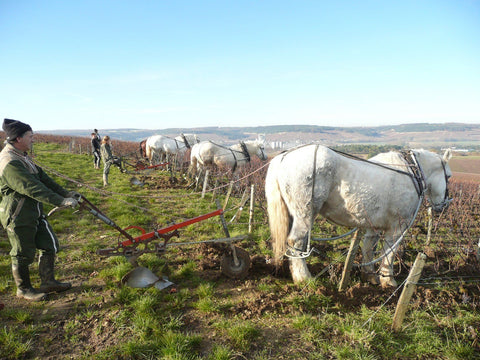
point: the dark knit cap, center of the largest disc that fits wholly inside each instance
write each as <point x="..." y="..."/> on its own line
<point x="14" y="128"/>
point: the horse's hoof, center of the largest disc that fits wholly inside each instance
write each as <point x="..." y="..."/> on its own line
<point x="388" y="281"/>
<point x="300" y="277"/>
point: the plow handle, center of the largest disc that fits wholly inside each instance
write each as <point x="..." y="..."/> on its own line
<point x="92" y="209"/>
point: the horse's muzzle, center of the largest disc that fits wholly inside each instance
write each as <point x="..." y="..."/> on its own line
<point x="442" y="206"/>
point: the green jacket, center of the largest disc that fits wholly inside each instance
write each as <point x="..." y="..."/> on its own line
<point x="106" y="153"/>
<point x="24" y="186"/>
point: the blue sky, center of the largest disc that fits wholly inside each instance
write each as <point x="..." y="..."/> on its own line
<point x="161" y="64"/>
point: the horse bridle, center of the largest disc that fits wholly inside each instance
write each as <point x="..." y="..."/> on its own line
<point x="446" y="200"/>
<point x="418" y="178"/>
<point x="263" y="154"/>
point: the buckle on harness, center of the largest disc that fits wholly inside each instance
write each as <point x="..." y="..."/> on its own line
<point x="294" y="253"/>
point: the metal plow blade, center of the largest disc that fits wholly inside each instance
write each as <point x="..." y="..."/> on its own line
<point x="141" y="277"/>
<point x="135" y="181"/>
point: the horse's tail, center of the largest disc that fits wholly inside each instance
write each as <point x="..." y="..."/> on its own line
<point x="278" y="215"/>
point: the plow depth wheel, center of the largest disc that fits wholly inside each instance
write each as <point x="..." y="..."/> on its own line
<point x="239" y="270"/>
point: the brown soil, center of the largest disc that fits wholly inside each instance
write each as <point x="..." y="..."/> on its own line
<point x="99" y="332"/>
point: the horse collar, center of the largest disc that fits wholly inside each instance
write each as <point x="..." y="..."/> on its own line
<point x="185" y="141"/>
<point x="245" y="151"/>
<point x="234" y="158"/>
<point x="418" y="177"/>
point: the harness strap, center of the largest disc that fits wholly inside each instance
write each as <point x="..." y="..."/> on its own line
<point x="446" y="180"/>
<point x="314" y="175"/>
<point x="234" y="158"/>
<point x="185" y="141"/>
<point x="245" y="151"/>
<point x="418" y="177"/>
<point x="176" y="144"/>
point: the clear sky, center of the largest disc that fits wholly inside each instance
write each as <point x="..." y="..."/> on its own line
<point x="170" y="63"/>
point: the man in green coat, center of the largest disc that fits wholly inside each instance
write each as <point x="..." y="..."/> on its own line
<point x="24" y="186"/>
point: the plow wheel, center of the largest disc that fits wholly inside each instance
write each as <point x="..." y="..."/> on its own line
<point x="236" y="269"/>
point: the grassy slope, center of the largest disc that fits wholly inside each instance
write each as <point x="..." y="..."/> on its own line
<point x="207" y="316"/>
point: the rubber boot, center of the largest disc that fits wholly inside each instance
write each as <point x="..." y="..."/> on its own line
<point x="105" y="180"/>
<point x="21" y="275"/>
<point x="46" y="265"/>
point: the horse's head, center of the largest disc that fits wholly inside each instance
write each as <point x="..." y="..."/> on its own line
<point x="257" y="147"/>
<point x="437" y="172"/>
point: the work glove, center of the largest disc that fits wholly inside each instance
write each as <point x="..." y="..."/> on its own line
<point x="70" y="201"/>
<point x="74" y="194"/>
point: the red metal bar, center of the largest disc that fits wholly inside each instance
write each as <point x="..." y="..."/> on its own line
<point x="152" y="166"/>
<point x="173" y="227"/>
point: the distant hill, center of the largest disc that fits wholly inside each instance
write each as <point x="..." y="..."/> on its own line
<point x="410" y="135"/>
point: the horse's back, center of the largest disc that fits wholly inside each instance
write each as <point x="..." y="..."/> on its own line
<point x="203" y="152"/>
<point x="348" y="191"/>
<point x="154" y="141"/>
<point x="294" y="168"/>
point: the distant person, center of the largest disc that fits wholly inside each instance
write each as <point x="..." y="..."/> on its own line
<point x="95" y="150"/>
<point x="97" y="135"/>
<point x="24" y="186"/>
<point x="107" y="157"/>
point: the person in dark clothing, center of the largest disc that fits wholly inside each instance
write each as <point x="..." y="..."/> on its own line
<point x="24" y="186"/>
<point x="95" y="150"/>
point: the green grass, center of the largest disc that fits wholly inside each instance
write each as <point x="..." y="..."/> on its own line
<point x="205" y="315"/>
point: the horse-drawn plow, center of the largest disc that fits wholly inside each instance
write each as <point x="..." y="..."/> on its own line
<point x="130" y="167"/>
<point x="235" y="262"/>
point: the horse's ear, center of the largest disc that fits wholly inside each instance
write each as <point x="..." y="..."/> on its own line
<point x="447" y="155"/>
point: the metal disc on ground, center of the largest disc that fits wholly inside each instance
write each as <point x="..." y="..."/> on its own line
<point x="163" y="283"/>
<point x="140" y="277"/>
<point x="135" y="181"/>
<point x="239" y="269"/>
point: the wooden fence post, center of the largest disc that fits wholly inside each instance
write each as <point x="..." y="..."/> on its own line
<point x="478" y="250"/>
<point x="349" y="262"/>
<point x="214" y="193"/>
<point x="242" y="204"/>
<point x="229" y="192"/>
<point x="197" y="180"/>
<point x="205" y="184"/>
<point x="252" y="204"/>
<point x="429" y="231"/>
<point x="408" y="290"/>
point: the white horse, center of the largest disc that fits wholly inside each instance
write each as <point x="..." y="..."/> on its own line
<point x="159" y="148"/>
<point x="208" y="153"/>
<point x="379" y="195"/>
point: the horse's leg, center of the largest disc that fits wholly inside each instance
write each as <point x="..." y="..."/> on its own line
<point x="153" y="159"/>
<point x="386" y="268"/>
<point x="368" y="273"/>
<point x="192" y="168"/>
<point x="161" y="156"/>
<point x="297" y="239"/>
